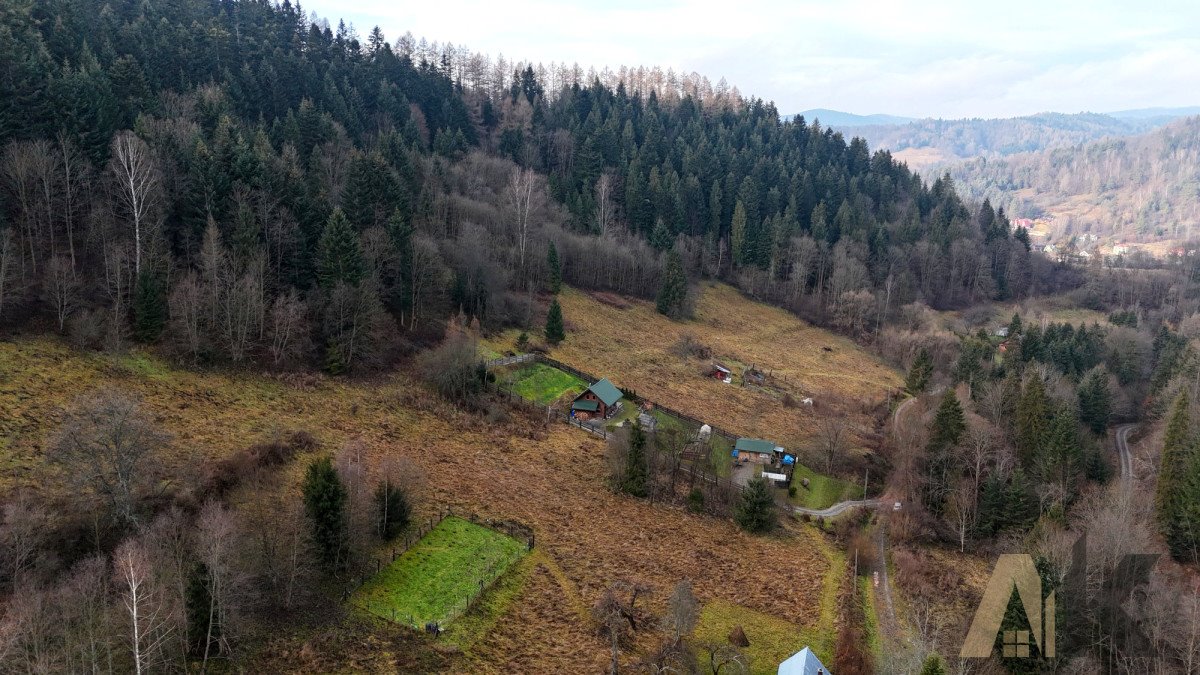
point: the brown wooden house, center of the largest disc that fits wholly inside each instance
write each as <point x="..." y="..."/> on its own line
<point x="598" y="401"/>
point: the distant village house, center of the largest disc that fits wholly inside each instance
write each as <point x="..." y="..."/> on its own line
<point x="756" y="450"/>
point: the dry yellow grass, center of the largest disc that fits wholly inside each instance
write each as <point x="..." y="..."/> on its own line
<point x="551" y="479"/>
<point x="632" y="346"/>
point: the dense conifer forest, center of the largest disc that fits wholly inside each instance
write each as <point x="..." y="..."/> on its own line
<point x="235" y="179"/>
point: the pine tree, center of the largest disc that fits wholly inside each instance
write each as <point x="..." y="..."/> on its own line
<point x="948" y="424"/>
<point x="637" y="471"/>
<point x="339" y="256"/>
<point x="325" y="506"/>
<point x="1183" y="533"/>
<point x="1031" y="420"/>
<point x="1177" y="442"/>
<point x="919" y="373"/>
<point x="149" y="306"/>
<point x="392" y="511"/>
<point x="554" y="280"/>
<point x="756" y="512"/>
<point x="933" y="666"/>
<point x="1095" y="401"/>
<point x="673" y="292"/>
<point x="555" y="331"/>
<point x="738" y="234"/>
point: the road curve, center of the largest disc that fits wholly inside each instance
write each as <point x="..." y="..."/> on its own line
<point x="839" y="508"/>
<point x="1122" y="438"/>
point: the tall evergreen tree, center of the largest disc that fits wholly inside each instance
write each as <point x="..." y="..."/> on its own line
<point x="756" y="511"/>
<point x="1095" y="401"/>
<point x="1177" y="446"/>
<point x="738" y="234"/>
<point x="325" y="506"/>
<point x="555" y="331"/>
<point x="1032" y="412"/>
<point x="554" y="279"/>
<point x="339" y="256"/>
<point x="919" y="373"/>
<point x="392" y="511"/>
<point x="673" y="292"/>
<point x="637" y="470"/>
<point x="149" y="306"/>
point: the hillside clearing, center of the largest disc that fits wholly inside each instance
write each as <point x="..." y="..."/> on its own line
<point x="550" y="478"/>
<point x="432" y="580"/>
<point x="638" y="349"/>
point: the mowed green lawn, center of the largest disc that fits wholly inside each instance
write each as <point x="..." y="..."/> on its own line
<point x="543" y="384"/>
<point x="822" y="491"/>
<point x="433" y="578"/>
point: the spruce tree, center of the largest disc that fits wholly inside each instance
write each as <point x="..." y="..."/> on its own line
<point x="339" y="257"/>
<point x="738" y="234"/>
<point x="1095" y="401"/>
<point x="637" y="471"/>
<point x="392" y="511"/>
<point x="554" y="280"/>
<point x="1177" y="442"/>
<point x="756" y="512"/>
<point x="933" y="666"/>
<point x="919" y="373"/>
<point x="673" y="292"/>
<point x="149" y="306"/>
<point x="325" y="506"/>
<point x="1183" y="532"/>
<point x="948" y="424"/>
<point x="555" y="331"/>
<point x="1031" y="420"/>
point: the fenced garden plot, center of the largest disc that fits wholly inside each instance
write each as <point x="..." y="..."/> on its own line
<point x="440" y="576"/>
<point x="542" y="384"/>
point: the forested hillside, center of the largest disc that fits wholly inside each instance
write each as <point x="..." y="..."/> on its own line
<point x="927" y="142"/>
<point x="1142" y="188"/>
<point x="236" y="181"/>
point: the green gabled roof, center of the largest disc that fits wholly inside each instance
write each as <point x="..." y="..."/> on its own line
<point x="586" y="406"/>
<point x="606" y="391"/>
<point x="755" y="445"/>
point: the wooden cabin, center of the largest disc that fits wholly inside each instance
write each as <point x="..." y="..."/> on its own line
<point x="598" y="401"/>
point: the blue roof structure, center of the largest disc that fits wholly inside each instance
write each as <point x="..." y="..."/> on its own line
<point x="803" y="662"/>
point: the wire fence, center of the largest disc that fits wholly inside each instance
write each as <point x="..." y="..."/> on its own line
<point x="490" y="570"/>
<point x="591" y="378"/>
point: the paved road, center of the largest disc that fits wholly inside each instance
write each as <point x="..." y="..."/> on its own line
<point x="1126" y="458"/>
<point x="840" y="507"/>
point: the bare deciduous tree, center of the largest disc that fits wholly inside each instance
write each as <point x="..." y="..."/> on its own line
<point x="520" y="200"/>
<point x="427" y="270"/>
<point x="108" y="446"/>
<point x="605" y="207"/>
<point x="289" y="327"/>
<point x="218" y="545"/>
<point x="186" y="306"/>
<point x="136" y="174"/>
<point x="682" y="610"/>
<point x="145" y="612"/>
<point x="831" y="441"/>
<point x="22" y="534"/>
<point x="60" y="289"/>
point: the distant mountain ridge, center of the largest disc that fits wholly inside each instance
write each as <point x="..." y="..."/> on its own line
<point x="931" y="142"/>
<point x="1140" y="188"/>
<point x="837" y="118"/>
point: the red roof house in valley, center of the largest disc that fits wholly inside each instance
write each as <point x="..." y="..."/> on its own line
<point x="599" y="401"/>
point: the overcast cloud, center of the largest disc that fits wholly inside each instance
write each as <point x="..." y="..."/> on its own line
<point x="939" y="58"/>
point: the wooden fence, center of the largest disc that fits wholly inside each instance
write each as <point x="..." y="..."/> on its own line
<point x="591" y="378"/>
<point x="494" y="568"/>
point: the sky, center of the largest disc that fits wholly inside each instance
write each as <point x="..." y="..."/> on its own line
<point x="936" y="58"/>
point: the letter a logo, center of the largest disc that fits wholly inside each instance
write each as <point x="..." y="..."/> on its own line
<point x="1011" y="570"/>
